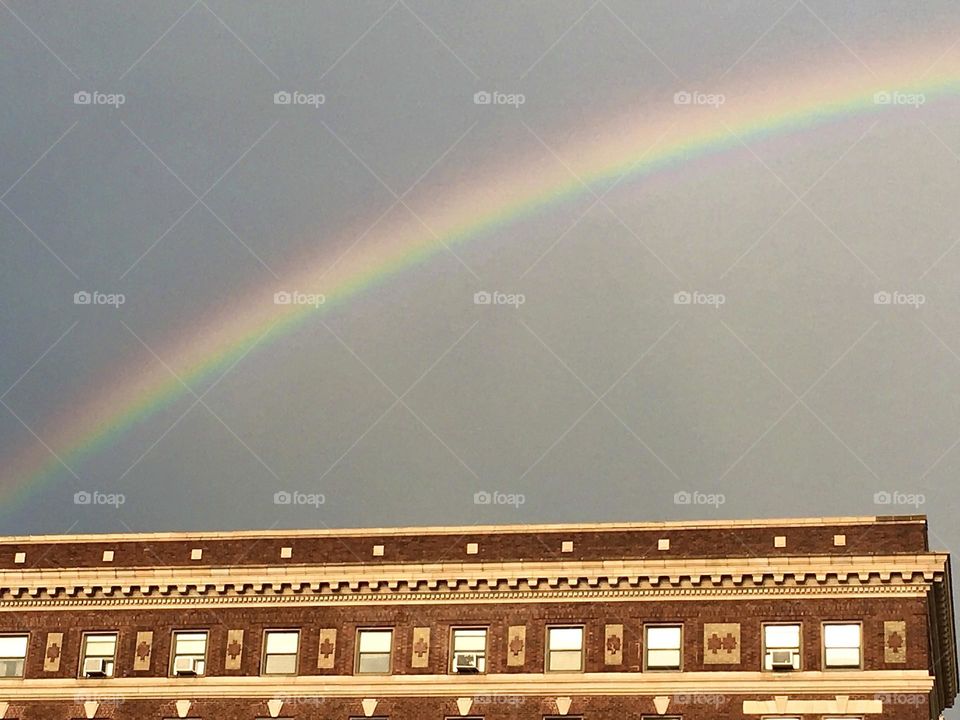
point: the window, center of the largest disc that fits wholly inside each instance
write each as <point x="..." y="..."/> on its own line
<point x="99" y="653"/>
<point x="189" y="653"/>
<point x="662" y="647"/>
<point x="13" y="654"/>
<point x="565" y="649"/>
<point x="373" y="651"/>
<point x="781" y="647"/>
<point x="280" y="652"/>
<point x="468" y="650"/>
<point x="841" y="645"/>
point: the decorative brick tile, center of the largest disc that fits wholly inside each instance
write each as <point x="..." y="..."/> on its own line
<point x="613" y="645"/>
<point x="516" y="645"/>
<point x="721" y="643"/>
<point x="420" y="648"/>
<point x="894" y="641"/>
<point x="327" y="653"/>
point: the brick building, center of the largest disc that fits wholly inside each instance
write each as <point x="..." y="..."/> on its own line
<point x="817" y="618"/>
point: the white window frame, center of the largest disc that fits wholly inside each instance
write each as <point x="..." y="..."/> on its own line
<point x="647" y="648"/>
<point x="111" y="659"/>
<point x="550" y="651"/>
<point x="174" y="639"/>
<point x="825" y="649"/>
<point x="265" y="659"/>
<point x="481" y="654"/>
<point x="767" y="649"/>
<point x="358" y="660"/>
<point x="16" y="658"/>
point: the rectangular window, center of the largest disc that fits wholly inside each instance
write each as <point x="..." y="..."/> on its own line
<point x="13" y="655"/>
<point x="468" y="650"/>
<point x="841" y="645"/>
<point x="189" y="653"/>
<point x="565" y="649"/>
<point x="781" y="647"/>
<point x="98" y="655"/>
<point x="280" y="652"/>
<point x="663" y="647"/>
<point x="374" y="651"/>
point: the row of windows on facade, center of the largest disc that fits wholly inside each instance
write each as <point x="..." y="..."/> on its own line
<point x="565" y="652"/>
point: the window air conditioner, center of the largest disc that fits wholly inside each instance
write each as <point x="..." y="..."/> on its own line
<point x="94" y="667"/>
<point x="466" y="663"/>
<point x="783" y="659"/>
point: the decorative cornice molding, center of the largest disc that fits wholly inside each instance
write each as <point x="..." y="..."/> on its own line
<point x="491" y="581"/>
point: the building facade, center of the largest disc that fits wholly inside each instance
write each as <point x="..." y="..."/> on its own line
<point x="826" y="618"/>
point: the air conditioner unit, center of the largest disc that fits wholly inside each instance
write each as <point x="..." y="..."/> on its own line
<point x="95" y="667"/>
<point x="466" y="663"/>
<point x="783" y="659"/>
<point x="187" y="666"/>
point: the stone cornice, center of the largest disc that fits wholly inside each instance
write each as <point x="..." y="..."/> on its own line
<point x="874" y="682"/>
<point x="495" y="581"/>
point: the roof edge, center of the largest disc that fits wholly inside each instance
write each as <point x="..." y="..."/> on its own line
<point x="465" y="529"/>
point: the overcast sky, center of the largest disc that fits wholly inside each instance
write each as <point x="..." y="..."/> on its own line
<point x="599" y="398"/>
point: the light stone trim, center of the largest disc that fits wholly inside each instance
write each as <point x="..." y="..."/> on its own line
<point x="834" y="683"/>
<point x="343" y="579"/>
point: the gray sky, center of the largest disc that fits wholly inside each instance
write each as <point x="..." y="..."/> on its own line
<point x="599" y="398"/>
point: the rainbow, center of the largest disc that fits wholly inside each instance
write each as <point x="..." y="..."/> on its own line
<point x="627" y="148"/>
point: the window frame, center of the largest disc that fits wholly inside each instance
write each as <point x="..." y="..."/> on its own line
<point x="84" y="657"/>
<point x="583" y="646"/>
<point x="764" y="648"/>
<point x="264" y="654"/>
<point x="823" y="645"/>
<point x="173" y="650"/>
<point x="26" y="653"/>
<point x="646" y="646"/>
<point x="453" y="650"/>
<point x="357" y="654"/>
